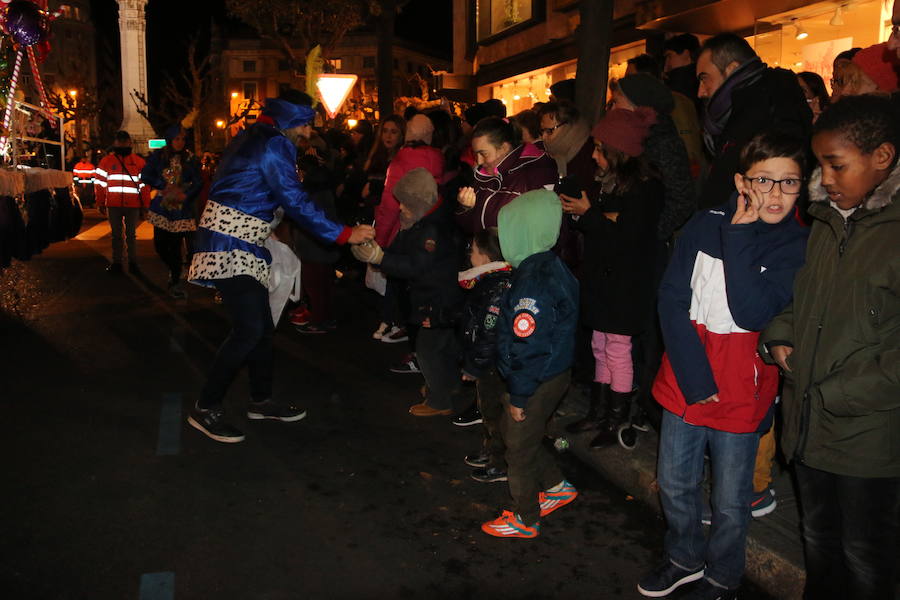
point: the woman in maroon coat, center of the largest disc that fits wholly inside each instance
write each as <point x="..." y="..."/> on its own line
<point x="506" y="169"/>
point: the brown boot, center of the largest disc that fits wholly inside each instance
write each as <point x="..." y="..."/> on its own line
<point x="423" y="410"/>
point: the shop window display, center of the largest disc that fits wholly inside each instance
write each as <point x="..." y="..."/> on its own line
<point x="808" y="39"/>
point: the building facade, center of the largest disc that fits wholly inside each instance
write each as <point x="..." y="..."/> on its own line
<point x="514" y="50"/>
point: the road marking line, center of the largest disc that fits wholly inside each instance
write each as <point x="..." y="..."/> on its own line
<point x="169" y="425"/>
<point x="157" y="586"/>
<point x="100" y="230"/>
<point x="103" y="229"/>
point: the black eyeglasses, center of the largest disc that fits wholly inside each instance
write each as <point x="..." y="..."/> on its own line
<point x="764" y="185"/>
<point x="549" y="130"/>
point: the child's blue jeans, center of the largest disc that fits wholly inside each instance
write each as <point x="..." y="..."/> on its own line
<point x="680" y="477"/>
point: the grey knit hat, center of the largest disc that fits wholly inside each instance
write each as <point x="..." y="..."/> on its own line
<point x="417" y="191"/>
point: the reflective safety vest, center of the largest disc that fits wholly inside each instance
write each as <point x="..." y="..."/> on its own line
<point x="118" y="182"/>
<point x="83" y="173"/>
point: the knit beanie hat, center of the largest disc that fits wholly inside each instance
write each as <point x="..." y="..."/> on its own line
<point x="646" y="90"/>
<point x="879" y="65"/>
<point x="417" y="191"/>
<point x="625" y="130"/>
<point x="419" y="129"/>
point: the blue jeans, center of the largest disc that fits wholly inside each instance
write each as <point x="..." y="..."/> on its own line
<point x="680" y="478"/>
<point x="850" y="527"/>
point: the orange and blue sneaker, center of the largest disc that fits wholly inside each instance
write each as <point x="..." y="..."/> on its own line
<point x="509" y="525"/>
<point x="556" y="498"/>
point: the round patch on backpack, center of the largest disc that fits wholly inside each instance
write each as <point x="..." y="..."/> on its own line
<point x="523" y="325"/>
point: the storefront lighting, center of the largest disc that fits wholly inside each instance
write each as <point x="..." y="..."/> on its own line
<point x="517" y="97"/>
<point x="802" y="34"/>
<point x="351" y="123"/>
<point x="799" y="63"/>
<point x="838" y="19"/>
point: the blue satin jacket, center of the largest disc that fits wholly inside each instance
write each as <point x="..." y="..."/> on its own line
<point x="256" y="176"/>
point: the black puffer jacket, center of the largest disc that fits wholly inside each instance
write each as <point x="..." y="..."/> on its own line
<point x="427" y="256"/>
<point x="665" y="151"/>
<point x="480" y="313"/>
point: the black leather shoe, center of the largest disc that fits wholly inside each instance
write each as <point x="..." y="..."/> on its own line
<point x="211" y="422"/>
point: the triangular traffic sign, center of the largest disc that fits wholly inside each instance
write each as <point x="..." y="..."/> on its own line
<point x="334" y="90"/>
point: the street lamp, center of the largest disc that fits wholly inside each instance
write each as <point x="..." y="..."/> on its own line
<point x="73" y="93"/>
<point x="234" y="94"/>
<point x="220" y="124"/>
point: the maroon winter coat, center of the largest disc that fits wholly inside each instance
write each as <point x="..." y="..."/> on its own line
<point x="524" y="169"/>
<point x="387" y="214"/>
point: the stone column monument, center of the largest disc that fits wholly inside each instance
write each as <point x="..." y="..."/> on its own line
<point x="132" y="31"/>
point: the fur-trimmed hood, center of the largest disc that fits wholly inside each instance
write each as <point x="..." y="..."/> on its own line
<point x="881" y="197"/>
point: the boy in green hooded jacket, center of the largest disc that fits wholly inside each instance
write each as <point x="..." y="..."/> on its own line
<point x="535" y="350"/>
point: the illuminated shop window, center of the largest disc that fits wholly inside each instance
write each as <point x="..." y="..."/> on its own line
<point x="495" y="16"/>
<point x="808" y="38"/>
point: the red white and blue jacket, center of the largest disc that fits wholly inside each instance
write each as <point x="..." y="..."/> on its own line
<point x="723" y="285"/>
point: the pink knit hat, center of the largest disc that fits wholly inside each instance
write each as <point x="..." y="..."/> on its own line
<point x="879" y="64"/>
<point x="625" y="130"/>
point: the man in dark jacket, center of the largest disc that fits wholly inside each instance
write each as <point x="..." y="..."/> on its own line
<point x="743" y="96"/>
<point x="425" y="253"/>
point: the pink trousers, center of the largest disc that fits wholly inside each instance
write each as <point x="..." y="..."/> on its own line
<point x="614" y="366"/>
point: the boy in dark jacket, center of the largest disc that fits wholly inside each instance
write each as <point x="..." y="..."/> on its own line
<point x="487" y="281"/>
<point x="535" y="350"/>
<point x="425" y="253"/>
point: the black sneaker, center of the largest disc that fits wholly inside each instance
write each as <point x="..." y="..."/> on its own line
<point x="663" y="580"/>
<point x="211" y="422"/>
<point x="488" y="475"/>
<point x="408" y="364"/>
<point x="310" y="328"/>
<point x="478" y="460"/>
<point x="269" y="409"/>
<point x="707" y="591"/>
<point x="470" y="417"/>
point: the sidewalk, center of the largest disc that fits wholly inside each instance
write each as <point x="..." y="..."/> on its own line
<point x="774" y="546"/>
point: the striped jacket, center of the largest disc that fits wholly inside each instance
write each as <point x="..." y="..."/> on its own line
<point x="117" y="187"/>
<point x="84" y="172"/>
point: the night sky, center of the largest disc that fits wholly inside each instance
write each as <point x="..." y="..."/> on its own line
<point x="170" y="23"/>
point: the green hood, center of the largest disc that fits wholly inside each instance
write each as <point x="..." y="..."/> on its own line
<point x="529" y="225"/>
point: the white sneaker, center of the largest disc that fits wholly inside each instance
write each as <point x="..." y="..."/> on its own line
<point x="396" y="334"/>
<point x="379" y="333"/>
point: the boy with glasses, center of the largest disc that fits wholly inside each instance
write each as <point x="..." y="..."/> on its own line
<point x="731" y="273"/>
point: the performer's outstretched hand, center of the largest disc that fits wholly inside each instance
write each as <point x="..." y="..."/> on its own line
<point x="362" y="233"/>
<point x="369" y="252"/>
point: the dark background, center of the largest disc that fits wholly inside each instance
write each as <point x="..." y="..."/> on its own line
<point x="171" y="23"/>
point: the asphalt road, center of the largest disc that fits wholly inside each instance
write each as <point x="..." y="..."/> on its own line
<point x="109" y="494"/>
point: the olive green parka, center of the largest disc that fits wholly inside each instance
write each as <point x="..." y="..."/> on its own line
<point x="841" y="400"/>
